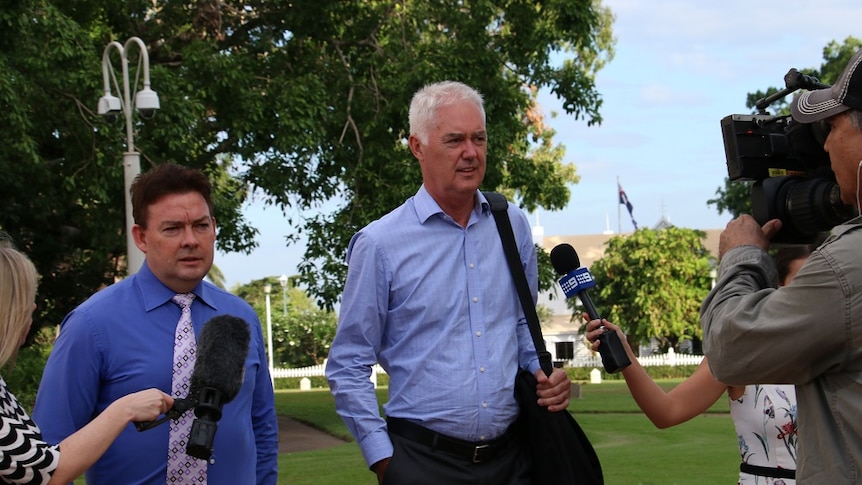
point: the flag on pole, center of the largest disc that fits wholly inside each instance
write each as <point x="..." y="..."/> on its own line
<point x="624" y="200"/>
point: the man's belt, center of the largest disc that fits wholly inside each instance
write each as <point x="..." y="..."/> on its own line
<point x="475" y="452"/>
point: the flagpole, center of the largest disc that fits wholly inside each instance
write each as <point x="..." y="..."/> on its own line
<point x="619" y="209"/>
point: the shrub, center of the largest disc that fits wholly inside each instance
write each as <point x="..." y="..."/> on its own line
<point x="582" y="374"/>
<point x="24" y="376"/>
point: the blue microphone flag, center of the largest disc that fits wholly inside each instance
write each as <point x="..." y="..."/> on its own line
<point x="576" y="281"/>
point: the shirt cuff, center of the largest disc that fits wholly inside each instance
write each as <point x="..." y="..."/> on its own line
<point x="376" y="446"/>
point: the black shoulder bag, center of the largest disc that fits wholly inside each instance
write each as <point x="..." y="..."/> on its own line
<point x="561" y="451"/>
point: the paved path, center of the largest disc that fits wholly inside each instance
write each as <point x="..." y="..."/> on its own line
<point x="294" y="436"/>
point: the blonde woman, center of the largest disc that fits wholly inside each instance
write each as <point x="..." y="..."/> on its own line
<point x="25" y="458"/>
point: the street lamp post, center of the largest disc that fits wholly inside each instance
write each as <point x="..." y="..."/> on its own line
<point x="283" y="281"/>
<point x="147" y="102"/>
<point x="267" y="288"/>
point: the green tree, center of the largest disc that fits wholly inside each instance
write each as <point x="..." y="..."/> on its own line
<point x="292" y="103"/>
<point x="216" y="276"/>
<point x="302" y="336"/>
<point x="734" y="197"/>
<point x="545" y="314"/>
<point x="652" y="282"/>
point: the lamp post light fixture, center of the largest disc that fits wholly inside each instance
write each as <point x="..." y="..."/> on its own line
<point x="267" y="288"/>
<point x="283" y="281"/>
<point x="147" y="102"/>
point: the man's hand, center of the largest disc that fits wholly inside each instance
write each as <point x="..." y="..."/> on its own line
<point x="380" y="469"/>
<point x="555" y="390"/>
<point x="745" y="231"/>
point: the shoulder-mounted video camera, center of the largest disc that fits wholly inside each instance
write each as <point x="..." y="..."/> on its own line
<point x="792" y="179"/>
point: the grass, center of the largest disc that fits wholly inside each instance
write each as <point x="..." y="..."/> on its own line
<point x="632" y="451"/>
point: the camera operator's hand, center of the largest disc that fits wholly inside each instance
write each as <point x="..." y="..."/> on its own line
<point x="745" y="231"/>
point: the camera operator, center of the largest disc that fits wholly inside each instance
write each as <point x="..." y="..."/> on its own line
<point x="808" y="333"/>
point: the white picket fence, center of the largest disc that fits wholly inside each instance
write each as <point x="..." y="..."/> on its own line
<point x="312" y="371"/>
<point x="670" y="358"/>
<point x="316" y="371"/>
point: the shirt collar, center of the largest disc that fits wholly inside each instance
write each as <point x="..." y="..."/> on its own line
<point x="154" y="293"/>
<point x="426" y="206"/>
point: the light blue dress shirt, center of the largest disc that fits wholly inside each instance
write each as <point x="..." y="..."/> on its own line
<point x="435" y="305"/>
<point x="120" y="341"/>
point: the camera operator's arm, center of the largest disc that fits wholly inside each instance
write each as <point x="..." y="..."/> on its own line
<point x="665" y="409"/>
<point x="745" y="231"/>
<point x="793" y="333"/>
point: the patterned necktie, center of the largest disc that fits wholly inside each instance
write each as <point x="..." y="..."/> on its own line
<point x="183" y="468"/>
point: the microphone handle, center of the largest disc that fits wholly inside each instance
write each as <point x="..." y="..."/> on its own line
<point x="145" y="425"/>
<point x="175" y="412"/>
<point x="588" y="305"/>
<point x="614" y="357"/>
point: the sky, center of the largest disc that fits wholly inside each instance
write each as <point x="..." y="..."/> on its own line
<point x="679" y="68"/>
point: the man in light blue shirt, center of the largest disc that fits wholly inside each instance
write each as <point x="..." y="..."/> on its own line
<point x="121" y="340"/>
<point x="429" y="296"/>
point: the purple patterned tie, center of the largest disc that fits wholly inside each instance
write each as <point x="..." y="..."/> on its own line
<point x="183" y="468"/>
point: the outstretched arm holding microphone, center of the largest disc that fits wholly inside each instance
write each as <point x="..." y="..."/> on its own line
<point x="26" y="457"/>
<point x="762" y="455"/>
<point x="80" y="450"/>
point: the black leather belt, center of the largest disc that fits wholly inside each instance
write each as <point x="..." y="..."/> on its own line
<point x="474" y="452"/>
<point x="766" y="471"/>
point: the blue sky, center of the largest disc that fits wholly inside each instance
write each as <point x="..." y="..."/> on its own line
<point x="680" y="66"/>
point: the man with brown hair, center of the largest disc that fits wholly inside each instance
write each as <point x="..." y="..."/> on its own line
<point x="122" y="339"/>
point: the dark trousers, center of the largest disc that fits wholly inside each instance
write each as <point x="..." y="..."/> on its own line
<point x="418" y="463"/>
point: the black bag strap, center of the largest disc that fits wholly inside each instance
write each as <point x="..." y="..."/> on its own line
<point x="499" y="208"/>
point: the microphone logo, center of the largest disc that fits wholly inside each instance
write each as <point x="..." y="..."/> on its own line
<point x="576" y="282"/>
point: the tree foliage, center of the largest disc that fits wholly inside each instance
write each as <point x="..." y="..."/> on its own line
<point x="296" y="104"/>
<point x="651" y="283"/>
<point x="734" y="198"/>
<point x="302" y="334"/>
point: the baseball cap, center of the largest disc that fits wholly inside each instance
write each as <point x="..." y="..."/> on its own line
<point x="845" y="94"/>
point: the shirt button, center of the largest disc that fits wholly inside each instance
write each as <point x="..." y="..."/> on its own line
<point x="484" y="405"/>
<point x="482" y="369"/>
<point x="472" y="265"/>
<point x="475" y="299"/>
<point x="479" y="333"/>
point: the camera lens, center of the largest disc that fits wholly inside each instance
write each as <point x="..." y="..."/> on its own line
<point x="805" y="206"/>
<point x="814" y="205"/>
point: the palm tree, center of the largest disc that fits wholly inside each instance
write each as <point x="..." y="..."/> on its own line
<point x="216" y="277"/>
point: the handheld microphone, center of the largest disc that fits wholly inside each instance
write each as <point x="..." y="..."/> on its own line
<point x="216" y="380"/>
<point x="217" y="377"/>
<point x="575" y="282"/>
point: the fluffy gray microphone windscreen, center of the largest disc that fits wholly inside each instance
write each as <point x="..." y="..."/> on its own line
<point x="221" y="353"/>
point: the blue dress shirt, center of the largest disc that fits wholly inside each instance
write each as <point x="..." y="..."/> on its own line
<point x="435" y="305"/>
<point x="121" y="341"/>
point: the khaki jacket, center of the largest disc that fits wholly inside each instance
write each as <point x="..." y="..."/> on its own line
<point x="808" y="333"/>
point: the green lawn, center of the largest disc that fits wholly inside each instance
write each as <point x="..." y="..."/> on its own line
<point x="702" y="451"/>
<point x="631" y="449"/>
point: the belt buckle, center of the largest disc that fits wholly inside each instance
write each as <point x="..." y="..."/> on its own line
<point x="477" y="451"/>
